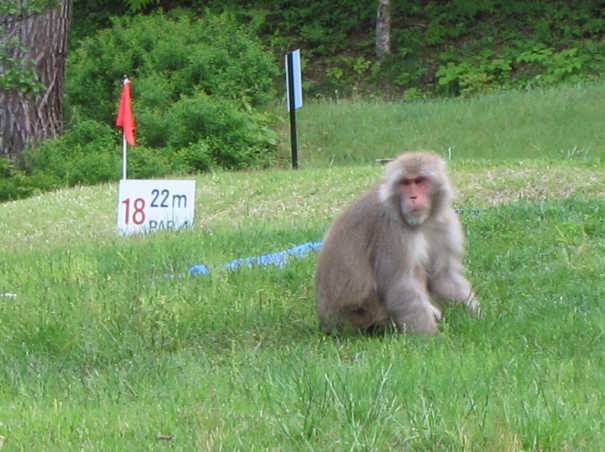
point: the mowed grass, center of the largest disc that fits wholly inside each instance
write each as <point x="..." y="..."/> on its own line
<point x="552" y="123"/>
<point x="108" y="343"/>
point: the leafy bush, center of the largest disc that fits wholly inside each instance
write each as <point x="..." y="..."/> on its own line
<point x="325" y="28"/>
<point x="427" y="36"/>
<point x="234" y="139"/>
<point x="193" y="81"/>
<point x="197" y="85"/>
<point x="88" y="153"/>
<point x="16" y="184"/>
<point x="523" y="44"/>
<point x="523" y="63"/>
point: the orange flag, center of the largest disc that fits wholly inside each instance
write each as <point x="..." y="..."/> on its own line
<point x="125" y="118"/>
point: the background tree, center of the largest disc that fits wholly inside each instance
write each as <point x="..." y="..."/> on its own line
<point x="383" y="28"/>
<point x="33" y="51"/>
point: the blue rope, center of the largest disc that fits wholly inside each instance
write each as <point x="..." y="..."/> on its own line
<point x="279" y="258"/>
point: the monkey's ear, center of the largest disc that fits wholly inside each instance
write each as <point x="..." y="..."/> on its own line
<point x="385" y="189"/>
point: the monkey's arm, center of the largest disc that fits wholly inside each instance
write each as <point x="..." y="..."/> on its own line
<point x="446" y="276"/>
<point x="452" y="285"/>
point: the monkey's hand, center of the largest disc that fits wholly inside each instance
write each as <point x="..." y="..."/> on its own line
<point x="436" y="312"/>
<point x="473" y="303"/>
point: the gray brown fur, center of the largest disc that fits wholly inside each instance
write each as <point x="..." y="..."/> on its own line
<point x="375" y="268"/>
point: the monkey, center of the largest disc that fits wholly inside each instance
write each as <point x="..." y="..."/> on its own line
<point x="393" y="257"/>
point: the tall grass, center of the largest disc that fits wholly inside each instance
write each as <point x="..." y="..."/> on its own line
<point x="110" y="344"/>
<point x="549" y="123"/>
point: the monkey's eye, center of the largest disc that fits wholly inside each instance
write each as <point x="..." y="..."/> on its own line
<point x="420" y="180"/>
<point x="406" y="182"/>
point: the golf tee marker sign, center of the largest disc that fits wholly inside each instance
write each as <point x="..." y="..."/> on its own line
<point x="151" y="205"/>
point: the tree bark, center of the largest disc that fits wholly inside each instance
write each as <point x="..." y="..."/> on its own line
<point x="383" y="28"/>
<point x="25" y="118"/>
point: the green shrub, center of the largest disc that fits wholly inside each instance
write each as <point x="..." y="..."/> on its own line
<point x="471" y="77"/>
<point x="88" y="153"/>
<point x="197" y="156"/>
<point x="193" y="81"/>
<point x="7" y="185"/>
<point x="326" y="28"/>
<point x="233" y="138"/>
<point x="149" y="163"/>
<point x="196" y="88"/>
<point x="16" y="184"/>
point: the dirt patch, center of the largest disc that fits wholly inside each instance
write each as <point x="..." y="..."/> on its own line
<point x="504" y="185"/>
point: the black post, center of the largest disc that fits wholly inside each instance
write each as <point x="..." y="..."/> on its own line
<point x="292" y="103"/>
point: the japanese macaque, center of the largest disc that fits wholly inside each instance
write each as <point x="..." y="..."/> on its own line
<point x="394" y="255"/>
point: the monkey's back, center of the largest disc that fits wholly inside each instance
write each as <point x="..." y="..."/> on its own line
<point x="345" y="282"/>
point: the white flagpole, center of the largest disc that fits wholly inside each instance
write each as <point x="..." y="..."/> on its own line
<point x="124" y="145"/>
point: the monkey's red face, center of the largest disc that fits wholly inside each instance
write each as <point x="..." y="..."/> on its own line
<point x="415" y="198"/>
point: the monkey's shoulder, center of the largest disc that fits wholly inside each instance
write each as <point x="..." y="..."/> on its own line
<point x="364" y="209"/>
<point x="357" y="220"/>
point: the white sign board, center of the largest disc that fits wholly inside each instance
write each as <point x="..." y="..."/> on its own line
<point x="151" y="205"/>
<point x="297" y="80"/>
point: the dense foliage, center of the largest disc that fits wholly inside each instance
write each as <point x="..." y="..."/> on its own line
<point x="197" y="85"/>
<point x="204" y="70"/>
<point x="441" y="48"/>
<point x="438" y="47"/>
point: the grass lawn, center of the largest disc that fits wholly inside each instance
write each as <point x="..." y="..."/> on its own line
<point x="108" y="343"/>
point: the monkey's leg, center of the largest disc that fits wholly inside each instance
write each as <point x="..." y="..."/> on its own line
<point x="413" y="312"/>
<point x="367" y="314"/>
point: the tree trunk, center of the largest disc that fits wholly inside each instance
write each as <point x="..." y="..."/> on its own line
<point x="383" y="28"/>
<point x="25" y="118"/>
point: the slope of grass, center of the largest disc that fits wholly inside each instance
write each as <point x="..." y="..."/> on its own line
<point x="110" y="344"/>
<point x="553" y="123"/>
